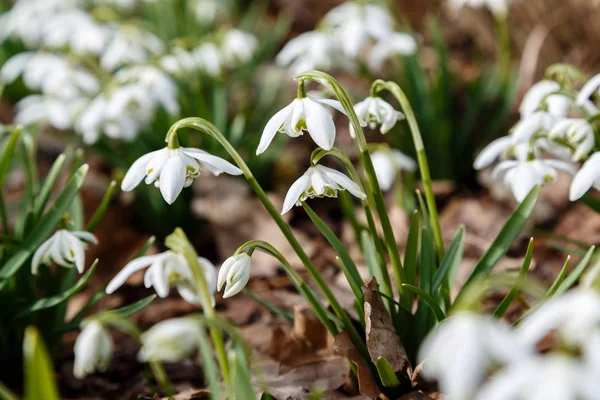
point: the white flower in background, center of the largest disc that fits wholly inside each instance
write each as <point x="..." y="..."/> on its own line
<point x="538" y="122"/>
<point x="388" y="163"/>
<point x="166" y="270"/>
<point x="169" y="341"/>
<point x="495" y="149"/>
<point x="93" y="349"/>
<point x="208" y="59"/>
<point x="179" y="62"/>
<point x="77" y="30"/>
<point x="578" y="132"/>
<point x="310" y="50"/>
<point x="520" y="176"/>
<point x="586" y="177"/>
<point x="123" y="5"/>
<point x="545" y="96"/>
<point x="303" y="114"/>
<point x="393" y="44"/>
<point x="130" y="45"/>
<point x="319" y="181"/>
<point x="574" y="316"/>
<point x="206" y="11"/>
<point x="355" y="24"/>
<point x="65" y="248"/>
<point x="234" y="274"/>
<point x="173" y="169"/>
<point x="463" y="349"/>
<point x="375" y="111"/>
<point x="238" y="47"/>
<point x="159" y="86"/>
<point x="542" y="378"/>
<point x="497" y="7"/>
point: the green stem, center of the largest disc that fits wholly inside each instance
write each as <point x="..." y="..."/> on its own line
<point x="421" y="158"/>
<point x="504" y="57"/>
<point x="158" y="370"/>
<point x="202" y="125"/>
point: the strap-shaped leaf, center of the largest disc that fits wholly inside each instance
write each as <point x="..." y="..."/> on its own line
<point x="412" y="249"/>
<point x="48" y="302"/>
<point x="39" y="374"/>
<point x="559" y="278"/>
<point x="44" y="227"/>
<point x="451" y="260"/>
<point x="42" y="198"/>
<point x="386" y="373"/>
<point x="101" y="210"/>
<point x="573" y="277"/>
<point x="512" y="294"/>
<point x="426" y="297"/>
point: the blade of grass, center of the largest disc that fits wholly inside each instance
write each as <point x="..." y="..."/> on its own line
<point x="449" y="264"/>
<point x="101" y="210"/>
<point x="412" y="249"/>
<point x="39" y="374"/>
<point x="573" y="277"/>
<point x="559" y="279"/>
<point x="510" y="296"/>
<point x="430" y="301"/>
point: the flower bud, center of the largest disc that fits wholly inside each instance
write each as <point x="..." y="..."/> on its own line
<point x="234" y="274"/>
<point x="93" y="350"/>
<point x="169" y="341"/>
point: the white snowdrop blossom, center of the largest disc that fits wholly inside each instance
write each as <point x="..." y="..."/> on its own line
<point x="303" y="114"/>
<point x="578" y="132"/>
<point x="310" y="50"/>
<point x="520" y="176"/>
<point x="586" y="177"/>
<point x="64" y="248"/>
<point x="376" y="111"/>
<point x="77" y="30"/>
<point x="130" y="45"/>
<point x="497" y="7"/>
<point x="542" y="378"/>
<point x="173" y="169"/>
<point x="169" y="341"/>
<point x="537" y="122"/>
<point x="238" y="47"/>
<point x="93" y="349"/>
<point x="545" y="95"/>
<point x="393" y="44"/>
<point x="166" y="270"/>
<point x="463" y="349"/>
<point x="388" y="163"/>
<point x="319" y="181"/>
<point x="234" y="274"/>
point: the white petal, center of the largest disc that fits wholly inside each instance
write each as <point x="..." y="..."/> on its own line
<point x="39" y="254"/>
<point x="172" y="178"/>
<point x="588" y="89"/>
<point x="525" y="179"/>
<point x="217" y="163"/>
<point x="137" y="172"/>
<point x="295" y="192"/>
<point x="86" y="236"/>
<point x="319" y="123"/>
<point x="129" y="269"/>
<point x="584" y="179"/>
<point x="344" y="181"/>
<point x="272" y="128"/>
<point x="491" y="152"/>
<point x="158" y="276"/>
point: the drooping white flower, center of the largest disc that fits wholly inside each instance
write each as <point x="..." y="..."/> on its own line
<point x="578" y="132"/>
<point x="356" y="23"/>
<point x="206" y="11"/>
<point x="586" y="177"/>
<point x="166" y="270"/>
<point x="310" y="50"/>
<point x="376" y="111"/>
<point x="65" y="248"/>
<point x="130" y="45"/>
<point x="537" y="122"/>
<point x="541" y="378"/>
<point x="497" y="7"/>
<point x="159" y="87"/>
<point x="319" y="181"/>
<point x="238" y="47"/>
<point x="464" y="348"/>
<point x="93" y="349"/>
<point x="520" y="176"/>
<point x="173" y="169"/>
<point x="77" y="30"/>
<point x="388" y="163"/>
<point x="303" y="114"/>
<point x="544" y="96"/>
<point x="393" y="44"/>
<point x="169" y="341"/>
<point x="208" y="58"/>
<point x="234" y="274"/>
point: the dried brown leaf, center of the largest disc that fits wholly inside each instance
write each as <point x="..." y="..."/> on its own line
<point x="367" y="385"/>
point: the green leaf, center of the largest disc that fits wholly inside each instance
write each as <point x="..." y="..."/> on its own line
<point x="39" y="374"/>
<point x="573" y="277"/>
<point x="48" y="302"/>
<point x="426" y="297"/>
<point x="512" y="294"/>
<point x="7" y="156"/>
<point x="44" y="227"/>
<point x="101" y="210"/>
<point x="505" y="239"/>
<point x="370" y="255"/>
<point x="42" y="198"/>
<point x="412" y="249"/>
<point x="451" y="260"/>
<point x="131" y="309"/>
<point x="427" y="265"/>
<point x="559" y="279"/>
<point x="6" y="394"/>
<point x="386" y="373"/>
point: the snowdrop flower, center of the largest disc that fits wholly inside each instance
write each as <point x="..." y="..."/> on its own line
<point x="130" y="45"/>
<point x="494" y="150"/>
<point x="166" y="270"/>
<point x="391" y="45"/>
<point x="206" y="11"/>
<point x="544" y="96"/>
<point x="375" y="111"/>
<point x="319" y="181"/>
<point x="388" y="163"/>
<point x="463" y="349"/>
<point x="539" y="121"/>
<point x="575" y="315"/>
<point x="586" y="177"/>
<point x="65" y="248"/>
<point x="179" y="62"/>
<point x="234" y="274"/>
<point x="208" y="59"/>
<point x="93" y="349"/>
<point x="158" y="86"/>
<point x="497" y="7"/>
<point x="356" y="23"/>
<point x="542" y="378"/>
<point x="303" y="114"/>
<point x="77" y="30"/>
<point x="520" y="176"/>
<point x="310" y="50"/>
<point x="238" y="47"/>
<point x="578" y="132"/>
<point x="169" y="341"/>
<point x="173" y="169"/>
